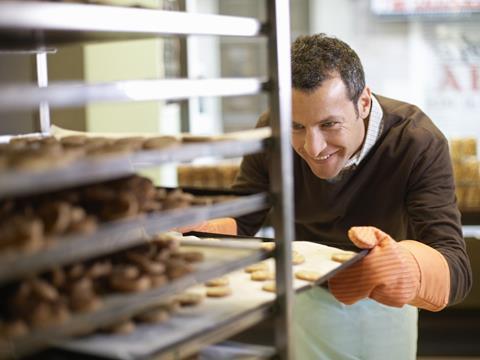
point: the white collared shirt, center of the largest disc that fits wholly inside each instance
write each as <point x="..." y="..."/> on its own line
<point x="374" y="130"/>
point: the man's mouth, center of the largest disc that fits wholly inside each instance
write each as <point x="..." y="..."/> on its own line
<point x="323" y="158"/>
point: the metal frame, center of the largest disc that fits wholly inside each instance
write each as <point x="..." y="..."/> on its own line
<point x="103" y="20"/>
<point x="282" y="184"/>
<point x="42" y="79"/>
<point x="31" y="24"/>
<point x="66" y="94"/>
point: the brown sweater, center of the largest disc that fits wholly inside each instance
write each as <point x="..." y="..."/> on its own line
<point x="404" y="186"/>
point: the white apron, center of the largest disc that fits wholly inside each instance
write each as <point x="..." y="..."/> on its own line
<point x="326" y="329"/>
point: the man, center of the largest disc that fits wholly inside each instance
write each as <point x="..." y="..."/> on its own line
<point x="371" y="172"/>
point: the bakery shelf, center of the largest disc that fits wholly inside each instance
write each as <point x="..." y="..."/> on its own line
<point x="218" y="261"/>
<point x="67" y="94"/>
<point x="30" y="24"/>
<point x="119" y="235"/>
<point x="213" y="320"/>
<point x="17" y="183"/>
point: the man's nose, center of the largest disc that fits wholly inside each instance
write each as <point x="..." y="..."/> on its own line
<point x="314" y="143"/>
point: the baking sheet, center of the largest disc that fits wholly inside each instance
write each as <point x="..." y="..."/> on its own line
<point x="185" y="324"/>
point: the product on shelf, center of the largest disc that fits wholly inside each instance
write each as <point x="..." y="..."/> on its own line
<point x="29" y="224"/>
<point x="466" y="170"/>
<point x="220" y="175"/>
<point x="307" y="275"/>
<point x="222" y="281"/>
<point x="53" y="297"/>
<point x="34" y="153"/>
<point x="219" y="291"/>
<point x="270" y="287"/>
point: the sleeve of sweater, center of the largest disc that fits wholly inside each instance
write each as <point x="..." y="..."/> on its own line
<point x="433" y="211"/>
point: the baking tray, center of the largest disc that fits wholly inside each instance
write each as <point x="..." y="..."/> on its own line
<point x="87" y="171"/>
<point x="219" y="259"/>
<point x="122" y="234"/>
<point x="214" y="320"/>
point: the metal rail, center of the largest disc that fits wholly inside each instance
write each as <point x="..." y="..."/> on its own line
<point x="67" y="94"/>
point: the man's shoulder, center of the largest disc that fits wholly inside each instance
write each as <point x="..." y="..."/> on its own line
<point x="409" y="120"/>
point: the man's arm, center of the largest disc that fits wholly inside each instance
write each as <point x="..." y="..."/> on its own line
<point x="430" y="272"/>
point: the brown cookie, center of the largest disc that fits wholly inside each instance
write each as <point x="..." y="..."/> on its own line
<point x="189" y="299"/>
<point x="153" y="316"/>
<point x="124" y="327"/>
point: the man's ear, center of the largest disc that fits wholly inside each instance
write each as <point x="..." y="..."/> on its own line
<point x="365" y="103"/>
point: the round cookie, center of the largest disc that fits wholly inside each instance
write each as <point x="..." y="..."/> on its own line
<point x="156" y="315"/>
<point x="307" y="275"/>
<point x="189" y="299"/>
<point x="257" y="267"/>
<point x="342" y="257"/>
<point x="222" y="281"/>
<point x="297" y="258"/>
<point x="219" y="291"/>
<point x="270" y="287"/>
<point x="262" y="275"/>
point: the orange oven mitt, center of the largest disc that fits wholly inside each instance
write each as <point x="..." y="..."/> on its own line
<point x="393" y="273"/>
<point x="226" y="226"/>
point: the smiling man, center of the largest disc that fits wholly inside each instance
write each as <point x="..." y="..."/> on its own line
<point x="369" y="172"/>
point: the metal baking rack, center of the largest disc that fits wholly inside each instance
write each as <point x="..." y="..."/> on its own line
<point x="119" y="235"/>
<point x="118" y="306"/>
<point x="85" y="171"/>
<point x="27" y="23"/>
<point x="41" y="25"/>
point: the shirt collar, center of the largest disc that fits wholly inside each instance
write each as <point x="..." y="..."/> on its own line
<point x="374" y="130"/>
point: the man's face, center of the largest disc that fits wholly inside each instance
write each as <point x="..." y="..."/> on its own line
<point x="326" y="130"/>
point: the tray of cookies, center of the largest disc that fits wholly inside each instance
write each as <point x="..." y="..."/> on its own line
<point x="92" y="220"/>
<point x="234" y="301"/>
<point x="105" y="292"/>
<point x="39" y="163"/>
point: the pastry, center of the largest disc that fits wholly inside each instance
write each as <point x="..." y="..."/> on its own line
<point x="154" y="316"/>
<point x="219" y="291"/>
<point x="262" y="275"/>
<point x="307" y="275"/>
<point x="342" y="257"/>
<point x="270" y="287"/>
<point x="257" y="267"/>
<point x="189" y="299"/>
<point x="221" y="281"/>
<point x="297" y="258"/>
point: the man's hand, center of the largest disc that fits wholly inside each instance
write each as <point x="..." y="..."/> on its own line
<point x="393" y="273"/>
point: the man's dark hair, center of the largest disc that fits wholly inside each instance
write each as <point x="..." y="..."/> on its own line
<point x="317" y="58"/>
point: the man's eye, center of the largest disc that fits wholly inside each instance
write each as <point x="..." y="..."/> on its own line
<point x="329" y="124"/>
<point x="296" y="126"/>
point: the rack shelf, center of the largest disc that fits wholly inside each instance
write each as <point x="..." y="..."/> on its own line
<point x="36" y="24"/>
<point x="18" y="183"/>
<point x="66" y="94"/>
<point x="217" y="263"/>
<point x="119" y="235"/>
